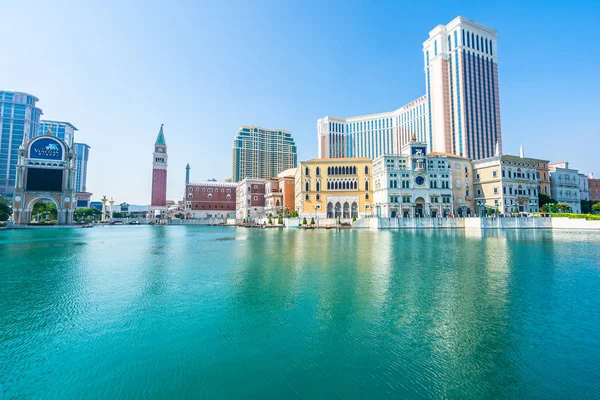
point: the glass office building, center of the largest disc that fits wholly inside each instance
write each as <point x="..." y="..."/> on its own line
<point x="83" y="152"/>
<point x="19" y="118"/>
<point x="62" y="130"/>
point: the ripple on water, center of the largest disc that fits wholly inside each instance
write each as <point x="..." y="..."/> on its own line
<point x="220" y="312"/>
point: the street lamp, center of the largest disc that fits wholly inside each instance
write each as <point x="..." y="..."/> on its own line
<point x="482" y="205"/>
<point x="532" y="205"/>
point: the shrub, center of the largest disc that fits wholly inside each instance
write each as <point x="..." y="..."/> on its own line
<point x="354" y="218"/>
<point x="270" y="220"/>
<point x="312" y="221"/>
<point x="280" y="221"/>
<point x="304" y="221"/>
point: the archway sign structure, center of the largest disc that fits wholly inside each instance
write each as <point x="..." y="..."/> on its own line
<point x="46" y="171"/>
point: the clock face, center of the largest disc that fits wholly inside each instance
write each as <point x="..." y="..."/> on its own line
<point x="419" y="180"/>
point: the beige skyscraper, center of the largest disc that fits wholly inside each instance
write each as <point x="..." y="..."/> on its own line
<point x="262" y="153"/>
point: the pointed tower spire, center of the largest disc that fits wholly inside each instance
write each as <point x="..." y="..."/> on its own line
<point x="521" y="154"/>
<point x="497" y="153"/>
<point x="160" y="140"/>
<point x="187" y="174"/>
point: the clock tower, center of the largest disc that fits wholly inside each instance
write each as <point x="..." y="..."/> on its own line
<point x="159" y="174"/>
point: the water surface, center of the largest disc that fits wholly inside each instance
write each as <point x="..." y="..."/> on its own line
<point x="181" y="312"/>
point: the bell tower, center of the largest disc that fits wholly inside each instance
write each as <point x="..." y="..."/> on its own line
<point x="159" y="173"/>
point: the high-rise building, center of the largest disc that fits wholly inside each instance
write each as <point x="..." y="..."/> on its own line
<point x="159" y="173"/>
<point x="19" y="119"/>
<point x="373" y="135"/>
<point x="459" y="114"/>
<point x="261" y="153"/>
<point x="82" y="151"/>
<point x="461" y="78"/>
<point x="62" y="130"/>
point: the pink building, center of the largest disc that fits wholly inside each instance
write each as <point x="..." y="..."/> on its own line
<point x="159" y="174"/>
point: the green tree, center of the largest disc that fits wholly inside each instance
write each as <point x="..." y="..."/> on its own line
<point x="87" y="214"/>
<point x="312" y="221"/>
<point x="304" y="221"/>
<point x="44" y="210"/>
<point x="280" y="221"/>
<point x="563" y="207"/>
<point x="596" y="207"/>
<point x="270" y="220"/>
<point x="545" y="199"/>
<point x="587" y="206"/>
<point x="5" y="209"/>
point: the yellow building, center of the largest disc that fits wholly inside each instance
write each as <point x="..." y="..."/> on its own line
<point x="334" y="187"/>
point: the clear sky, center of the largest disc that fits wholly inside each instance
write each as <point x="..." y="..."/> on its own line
<point x="118" y="69"/>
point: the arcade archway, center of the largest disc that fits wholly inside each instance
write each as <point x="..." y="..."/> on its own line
<point x="42" y="210"/>
<point x="45" y="176"/>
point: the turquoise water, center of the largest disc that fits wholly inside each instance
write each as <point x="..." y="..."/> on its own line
<point x="210" y="312"/>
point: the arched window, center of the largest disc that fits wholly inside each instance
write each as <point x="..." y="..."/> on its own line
<point x="366" y="170"/>
<point x="491" y="50"/>
<point x="328" y="185"/>
<point x="347" y="170"/>
<point x="336" y="185"/>
<point x="307" y="186"/>
<point x="318" y="196"/>
<point x="318" y="171"/>
<point x="318" y="186"/>
<point x="307" y="197"/>
<point x="190" y="195"/>
<point x="468" y="39"/>
<point x="354" y="170"/>
<point x="355" y="185"/>
<point x="345" y="185"/>
<point x="366" y="185"/>
<point x="190" y="189"/>
<point x="306" y="171"/>
<point x="367" y="196"/>
<point x="328" y="170"/>
<point x="228" y="197"/>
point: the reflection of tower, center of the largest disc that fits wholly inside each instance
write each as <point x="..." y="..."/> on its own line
<point x="159" y="173"/>
<point x="187" y="174"/>
<point x="103" y="200"/>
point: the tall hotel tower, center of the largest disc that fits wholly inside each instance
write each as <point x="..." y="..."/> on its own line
<point x="262" y="153"/>
<point x="461" y="77"/>
<point x="159" y="173"/>
<point x="460" y="113"/>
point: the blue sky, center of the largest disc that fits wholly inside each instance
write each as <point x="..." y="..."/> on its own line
<point x="117" y="70"/>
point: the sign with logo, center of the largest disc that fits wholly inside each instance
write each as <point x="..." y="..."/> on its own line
<point x="46" y="149"/>
<point x="418" y="151"/>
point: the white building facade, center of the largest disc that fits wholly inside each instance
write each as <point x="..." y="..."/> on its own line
<point x="584" y="188"/>
<point x="564" y="183"/>
<point x="412" y="184"/>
